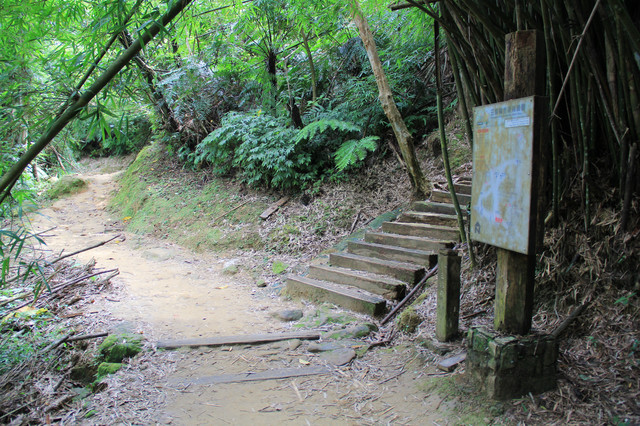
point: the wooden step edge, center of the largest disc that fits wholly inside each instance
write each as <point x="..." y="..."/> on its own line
<point x="347" y="297"/>
<point x="381" y="285"/>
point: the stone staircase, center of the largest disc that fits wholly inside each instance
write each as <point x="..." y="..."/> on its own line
<point x="387" y="262"/>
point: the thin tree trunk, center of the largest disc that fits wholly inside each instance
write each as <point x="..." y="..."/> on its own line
<point x="312" y="67"/>
<point x="420" y="183"/>
<point x="443" y="143"/>
<point x="12" y="175"/>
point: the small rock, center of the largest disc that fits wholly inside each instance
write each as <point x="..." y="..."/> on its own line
<point x="340" y="356"/>
<point x="261" y="283"/>
<point x="357" y="331"/>
<point x="294" y="344"/>
<point x="230" y="270"/>
<point x="288" y="315"/>
<point x="324" y="346"/>
<point x="230" y="267"/>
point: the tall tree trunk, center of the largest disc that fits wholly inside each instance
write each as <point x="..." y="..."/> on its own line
<point x="420" y="183"/>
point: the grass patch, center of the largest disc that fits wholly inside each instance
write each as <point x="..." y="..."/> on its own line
<point x="161" y="199"/>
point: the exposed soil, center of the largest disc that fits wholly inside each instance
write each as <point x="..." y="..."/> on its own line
<point x="167" y="292"/>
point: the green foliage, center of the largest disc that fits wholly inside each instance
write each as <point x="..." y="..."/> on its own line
<point x="266" y="151"/>
<point x="278" y="267"/>
<point x="17" y="347"/>
<point x="261" y="147"/>
<point x="354" y="151"/>
<point x="320" y="126"/>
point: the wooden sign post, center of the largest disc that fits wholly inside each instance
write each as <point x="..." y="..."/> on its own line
<point x="515" y="275"/>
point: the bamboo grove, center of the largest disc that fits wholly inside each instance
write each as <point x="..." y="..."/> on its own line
<point x="593" y="77"/>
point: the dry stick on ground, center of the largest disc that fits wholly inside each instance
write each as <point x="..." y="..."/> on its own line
<point x="355" y="222"/>
<point x="84" y="249"/>
<point x="62" y="286"/>
<point x="232" y="210"/>
<point x="575" y="314"/>
<point x="410" y="295"/>
<point x="70" y="338"/>
<point x="12" y="279"/>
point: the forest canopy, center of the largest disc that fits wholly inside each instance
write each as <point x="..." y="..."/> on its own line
<point x="280" y="94"/>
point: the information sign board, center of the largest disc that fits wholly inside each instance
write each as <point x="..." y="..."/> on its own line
<point x="502" y="174"/>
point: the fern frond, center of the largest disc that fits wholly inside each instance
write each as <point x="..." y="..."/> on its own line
<point x="320" y="126"/>
<point x="354" y="151"/>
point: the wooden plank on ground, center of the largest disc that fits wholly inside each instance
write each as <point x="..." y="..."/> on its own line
<point x="280" y="373"/>
<point x="451" y="363"/>
<point x="245" y="339"/>
<point x="273" y="207"/>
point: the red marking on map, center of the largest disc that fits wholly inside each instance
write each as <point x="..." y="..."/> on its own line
<point x="498" y="219"/>
<point x="485" y="130"/>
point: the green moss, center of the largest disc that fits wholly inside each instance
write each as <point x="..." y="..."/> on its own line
<point x="117" y="347"/>
<point x="107" y="368"/>
<point x="278" y="267"/>
<point x="65" y="186"/>
<point x="409" y="320"/>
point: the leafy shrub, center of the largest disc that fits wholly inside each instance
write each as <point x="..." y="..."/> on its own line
<point x="266" y="150"/>
<point x="260" y="147"/>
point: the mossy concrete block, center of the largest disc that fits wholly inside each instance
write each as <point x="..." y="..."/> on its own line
<point x="117" y="347"/>
<point x="508" y="367"/>
<point x="107" y="368"/>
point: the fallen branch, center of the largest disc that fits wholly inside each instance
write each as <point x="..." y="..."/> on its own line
<point x="83" y="250"/>
<point x="575" y="314"/>
<point x="87" y="336"/>
<point x="62" y="286"/>
<point x="355" y="222"/>
<point x="230" y="211"/>
<point x="408" y="297"/>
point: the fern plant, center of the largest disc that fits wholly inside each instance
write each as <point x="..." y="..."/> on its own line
<point x="354" y="151"/>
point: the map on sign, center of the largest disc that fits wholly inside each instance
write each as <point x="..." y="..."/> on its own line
<point x="502" y="166"/>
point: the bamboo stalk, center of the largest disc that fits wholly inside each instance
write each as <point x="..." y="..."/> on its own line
<point x="443" y="142"/>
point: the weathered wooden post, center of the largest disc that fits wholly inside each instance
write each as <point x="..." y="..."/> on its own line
<point x="448" y="306"/>
<point x="508" y="177"/>
<point x="515" y="274"/>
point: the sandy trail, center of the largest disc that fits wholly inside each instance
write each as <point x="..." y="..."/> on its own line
<point x="176" y="292"/>
<point x="171" y="293"/>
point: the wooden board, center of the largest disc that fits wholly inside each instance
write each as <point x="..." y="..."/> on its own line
<point x="247" y="339"/>
<point x="280" y="373"/>
<point x="273" y="207"/>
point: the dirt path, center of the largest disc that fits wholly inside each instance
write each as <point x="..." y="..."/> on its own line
<point x="168" y="292"/>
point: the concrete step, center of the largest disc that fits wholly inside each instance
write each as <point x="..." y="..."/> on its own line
<point x="405" y="272"/>
<point x="462" y="188"/>
<point x="445" y="197"/>
<point x="391" y="252"/>
<point x="429" y="218"/>
<point x="347" y="297"/>
<point x="433" y="207"/>
<point x="407" y="241"/>
<point x="445" y="233"/>
<point x="382" y="285"/>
